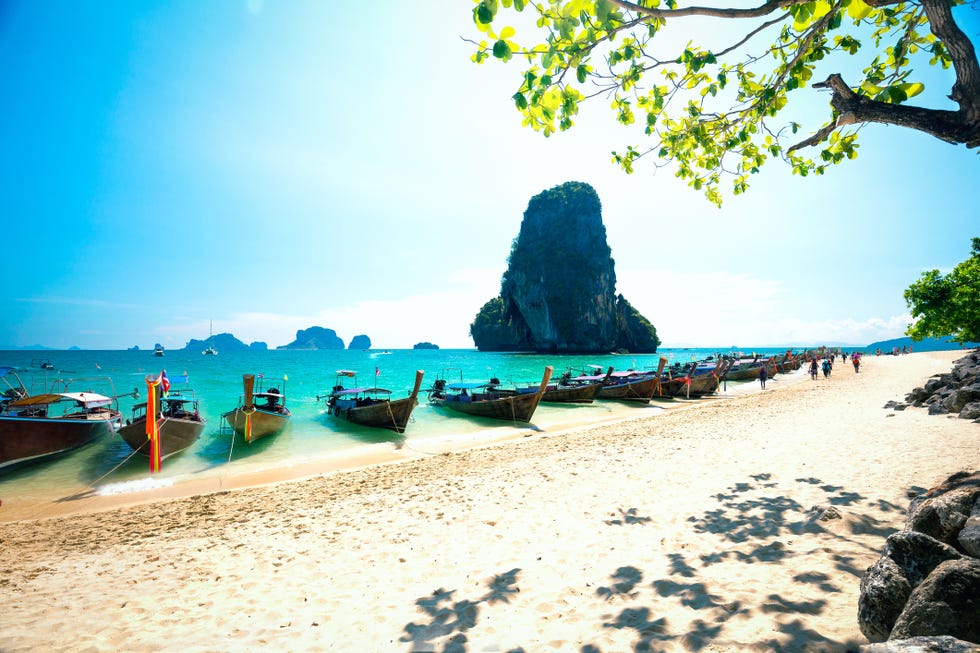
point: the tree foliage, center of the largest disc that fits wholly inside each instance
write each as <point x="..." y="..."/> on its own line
<point x="947" y="305"/>
<point x="712" y="112"/>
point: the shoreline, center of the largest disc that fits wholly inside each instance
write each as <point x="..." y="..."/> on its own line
<point x="111" y="496"/>
<point x="733" y="524"/>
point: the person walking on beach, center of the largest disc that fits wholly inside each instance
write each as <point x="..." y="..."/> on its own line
<point x="826" y="367"/>
<point x="856" y="359"/>
<point x="763" y="375"/>
<point x="813" y="369"/>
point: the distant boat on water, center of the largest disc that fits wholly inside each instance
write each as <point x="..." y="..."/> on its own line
<point x="210" y="350"/>
<point x="158" y="350"/>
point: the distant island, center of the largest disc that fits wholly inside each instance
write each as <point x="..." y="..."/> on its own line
<point x="360" y="342"/>
<point x="424" y="345"/>
<point x="315" y="338"/>
<point x="926" y="344"/>
<point x="222" y="342"/>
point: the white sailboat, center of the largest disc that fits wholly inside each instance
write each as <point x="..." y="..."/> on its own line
<point x="210" y="351"/>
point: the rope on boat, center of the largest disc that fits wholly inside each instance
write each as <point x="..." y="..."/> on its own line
<point x="125" y="460"/>
<point x="232" y="447"/>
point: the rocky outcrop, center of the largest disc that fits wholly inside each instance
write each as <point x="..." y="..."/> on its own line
<point x="424" y="345"/>
<point x="957" y="392"/>
<point x="559" y="291"/>
<point x="927" y="581"/>
<point x="360" y="342"/>
<point x="258" y="345"/>
<point x="222" y="342"/>
<point x="315" y="338"/>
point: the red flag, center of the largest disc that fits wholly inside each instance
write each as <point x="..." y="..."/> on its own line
<point x="164" y="382"/>
<point x="377" y="372"/>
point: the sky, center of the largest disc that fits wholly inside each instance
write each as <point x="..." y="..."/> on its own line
<point x="261" y="167"/>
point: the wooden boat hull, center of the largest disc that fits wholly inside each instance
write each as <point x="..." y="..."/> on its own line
<point x="514" y="407"/>
<point x="743" y="373"/>
<point x="264" y="423"/>
<point x="385" y="414"/>
<point x="175" y="435"/>
<point x="675" y="387"/>
<point x="391" y="415"/>
<point x="703" y="384"/>
<point x="27" y="440"/>
<point x="581" y="394"/>
<point x="641" y="391"/>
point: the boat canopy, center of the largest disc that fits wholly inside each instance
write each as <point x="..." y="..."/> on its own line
<point x="5" y="370"/>
<point x="356" y="391"/>
<point x="467" y="385"/>
<point x="86" y="399"/>
<point x="350" y="373"/>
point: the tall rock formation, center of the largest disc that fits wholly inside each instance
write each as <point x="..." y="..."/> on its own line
<point x="559" y="291"/>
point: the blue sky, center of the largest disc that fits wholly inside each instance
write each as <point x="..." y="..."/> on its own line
<point x="270" y="166"/>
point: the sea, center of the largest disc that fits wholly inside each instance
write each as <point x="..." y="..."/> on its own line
<point x="108" y="466"/>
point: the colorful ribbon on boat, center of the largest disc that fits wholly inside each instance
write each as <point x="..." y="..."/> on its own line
<point x="248" y="424"/>
<point x="152" y="427"/>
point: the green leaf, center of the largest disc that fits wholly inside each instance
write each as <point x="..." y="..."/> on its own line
<point x="858" y="9"/>
<point x="501" y="50"/>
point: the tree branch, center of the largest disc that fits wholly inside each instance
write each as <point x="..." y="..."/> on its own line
<point x="966" y="90"/>
<point x="852" y="108"/>
<point x="715" y="12"/>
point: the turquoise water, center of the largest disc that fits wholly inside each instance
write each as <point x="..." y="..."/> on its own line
<point x="217" y="381"/>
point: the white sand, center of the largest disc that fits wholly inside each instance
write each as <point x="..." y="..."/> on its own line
<point x="692" y="530"/>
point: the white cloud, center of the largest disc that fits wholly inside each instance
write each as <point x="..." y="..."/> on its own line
<point x="442" y="316"/>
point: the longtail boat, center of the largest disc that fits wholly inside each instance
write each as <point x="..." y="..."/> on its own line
<point x="485" y="399"/>
<point x="633" y="385"/>
<point x="39" y="427"/>
<point x="257" y="420"/>
<point x="706" y="381"/>
<point x="179" y="422"/>
<point x="575" y="390"/>
<point x="371" y="406"/>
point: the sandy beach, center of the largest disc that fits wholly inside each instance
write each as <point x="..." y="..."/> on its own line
<point x="697" y="529"/>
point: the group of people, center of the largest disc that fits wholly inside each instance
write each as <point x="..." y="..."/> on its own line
<point x="826" y="365"/>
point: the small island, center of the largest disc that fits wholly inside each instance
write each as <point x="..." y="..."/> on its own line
<point x="424" y="345"/>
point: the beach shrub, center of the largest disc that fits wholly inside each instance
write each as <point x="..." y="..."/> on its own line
<point x="947" y="305"/>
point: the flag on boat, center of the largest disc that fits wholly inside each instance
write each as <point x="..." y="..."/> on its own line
<point x="152" y="427"/>
<point x="377" y="372"/>
<point x="164" y="383"/>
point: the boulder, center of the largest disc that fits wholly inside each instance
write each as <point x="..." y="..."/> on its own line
<point x="971" y="411"/>
<point x="927" y="581"/>
<point x="943" y="510"/>
<point x="942" y="644"/>
<point x="947" y="602"/>
<point x="969" y="536"/>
